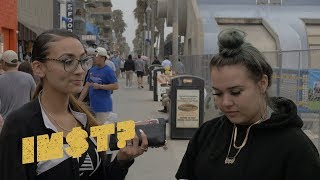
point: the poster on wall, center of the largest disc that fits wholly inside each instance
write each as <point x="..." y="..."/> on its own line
<point x="1" y="43"/>
<point x="69" y="16"/>
<point x="187" y="108"/>
<point x="314" y="90"/>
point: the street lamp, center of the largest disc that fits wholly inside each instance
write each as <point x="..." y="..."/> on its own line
<point x="156" y="38"/>
<point x="144" y="35"/>
<point x="149" y="11"/>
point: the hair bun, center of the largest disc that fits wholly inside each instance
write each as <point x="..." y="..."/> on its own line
<point x="230" y="42"/>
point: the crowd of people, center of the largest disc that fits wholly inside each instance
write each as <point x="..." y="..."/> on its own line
<point x="256" y="137"/>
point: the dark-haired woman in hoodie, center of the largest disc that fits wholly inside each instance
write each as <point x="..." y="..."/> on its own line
<point x="257" y="137"/>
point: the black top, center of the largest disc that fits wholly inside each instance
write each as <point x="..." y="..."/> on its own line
<point x="129" y="65"/>
<point x="156" y="61"/>
<point x="276" y="149"/>
<point x="27" y="122"/>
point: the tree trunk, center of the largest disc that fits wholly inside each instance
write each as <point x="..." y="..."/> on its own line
<point x="161" y="45"/>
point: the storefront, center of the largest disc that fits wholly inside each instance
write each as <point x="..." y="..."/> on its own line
<point x="26" y="38"/>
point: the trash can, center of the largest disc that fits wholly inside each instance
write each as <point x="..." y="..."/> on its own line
<point x="187" y="106"/>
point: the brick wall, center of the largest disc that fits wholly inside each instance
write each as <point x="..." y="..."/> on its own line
<point x="9" y="22"/>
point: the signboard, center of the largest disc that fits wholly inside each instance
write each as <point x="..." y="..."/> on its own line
<point x="89" y="37"/>
<point x="163" y="82"/>
<point x="156" y="72"/>
<point x="70" y="16"/>
<point x="314" y="90"/>
<point x="187" y="108"/>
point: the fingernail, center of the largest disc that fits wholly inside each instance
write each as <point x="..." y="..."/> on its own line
<point x="141" y="131"/>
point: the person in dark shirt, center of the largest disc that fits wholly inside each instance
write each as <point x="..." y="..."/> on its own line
<point x="129" y="68"/>
<point x="257" y="137"/>
<point x="60" y="61"/>
<point x="156" y="61"/>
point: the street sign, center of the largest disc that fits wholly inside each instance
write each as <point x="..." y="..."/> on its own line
<point x="70" y="16"/>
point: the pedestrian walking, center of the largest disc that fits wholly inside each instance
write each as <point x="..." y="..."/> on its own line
<point x="122" y="61"/>
<point x="140" y="68"/>
<point x="129" y="67"/>
<point x="101" y="80"/>
<point x="180" y="68"/>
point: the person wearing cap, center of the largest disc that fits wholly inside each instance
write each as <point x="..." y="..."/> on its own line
<point x="100" y="51"/>
<point x="101" y="81"/>
<point x="14" y="95"/>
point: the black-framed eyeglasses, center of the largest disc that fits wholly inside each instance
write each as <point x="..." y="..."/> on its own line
<point x="71" y="64"/>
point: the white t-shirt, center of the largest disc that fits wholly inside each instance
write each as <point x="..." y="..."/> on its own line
<point x="110" y="64"/>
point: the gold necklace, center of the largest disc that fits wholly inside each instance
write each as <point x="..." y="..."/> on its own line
<point x="55" y="120"/>
<point x="231" y="160"/>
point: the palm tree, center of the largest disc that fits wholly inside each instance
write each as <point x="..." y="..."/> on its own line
<point x="160" y="26"/>
<point x="118" y="24"/>
<point x="139" y="14"/>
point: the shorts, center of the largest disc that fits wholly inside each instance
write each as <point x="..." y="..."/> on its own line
<point x="140" y="73"/>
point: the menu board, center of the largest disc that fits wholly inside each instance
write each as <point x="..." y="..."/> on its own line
<point x="187" y="108"/>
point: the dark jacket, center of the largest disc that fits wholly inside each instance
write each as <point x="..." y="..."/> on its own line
<point x="276" y="149"/>
<point x="156" y="61"/>
<point x="27" y="122"/>
<point x="129" y="65"/>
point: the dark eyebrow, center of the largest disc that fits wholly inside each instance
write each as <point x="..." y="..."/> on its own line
<point x="72" y="55"/>
<point x="230" y="88"/>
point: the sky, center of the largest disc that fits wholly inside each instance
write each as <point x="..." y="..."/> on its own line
<point x="127" y="7"/>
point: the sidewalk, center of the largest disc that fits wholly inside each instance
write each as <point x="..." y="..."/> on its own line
<point x="156" y="164"/>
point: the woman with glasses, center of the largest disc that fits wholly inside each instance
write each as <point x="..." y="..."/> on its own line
<point x="60" y="61"/>
<point x="257" y="138"/>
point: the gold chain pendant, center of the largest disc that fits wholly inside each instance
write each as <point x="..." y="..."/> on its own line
<point x="229" y="160"/>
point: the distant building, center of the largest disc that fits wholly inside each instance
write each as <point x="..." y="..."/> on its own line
<point x="100" y="13"/>
<point x="8" y="25"/>
<point x="271" y="25"/>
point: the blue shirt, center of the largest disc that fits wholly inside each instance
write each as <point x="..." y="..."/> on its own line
<point x="100" y="100"/>
<point x="116" y="61"/>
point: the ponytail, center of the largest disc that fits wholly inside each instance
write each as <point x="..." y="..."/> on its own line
<point x="38" y="90"/>
<point x="81" y="107"/>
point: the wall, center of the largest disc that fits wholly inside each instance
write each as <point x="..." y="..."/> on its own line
<point x="8" y="24"/>
<point x="37" y="15"/>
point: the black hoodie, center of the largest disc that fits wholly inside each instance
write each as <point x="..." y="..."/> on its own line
<point x="277" y="149"/>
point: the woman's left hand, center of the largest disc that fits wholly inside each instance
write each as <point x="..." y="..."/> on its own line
<point x="133" y="150"/>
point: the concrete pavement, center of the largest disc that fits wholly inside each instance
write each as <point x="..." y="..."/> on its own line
<point x="156" y="164"/>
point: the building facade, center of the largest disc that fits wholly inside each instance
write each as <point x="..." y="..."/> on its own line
<point x="100" y="14"/>
<point x="270" y="25"/>
<point x="35" y="17"/>
<point x="8" y="25"/>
